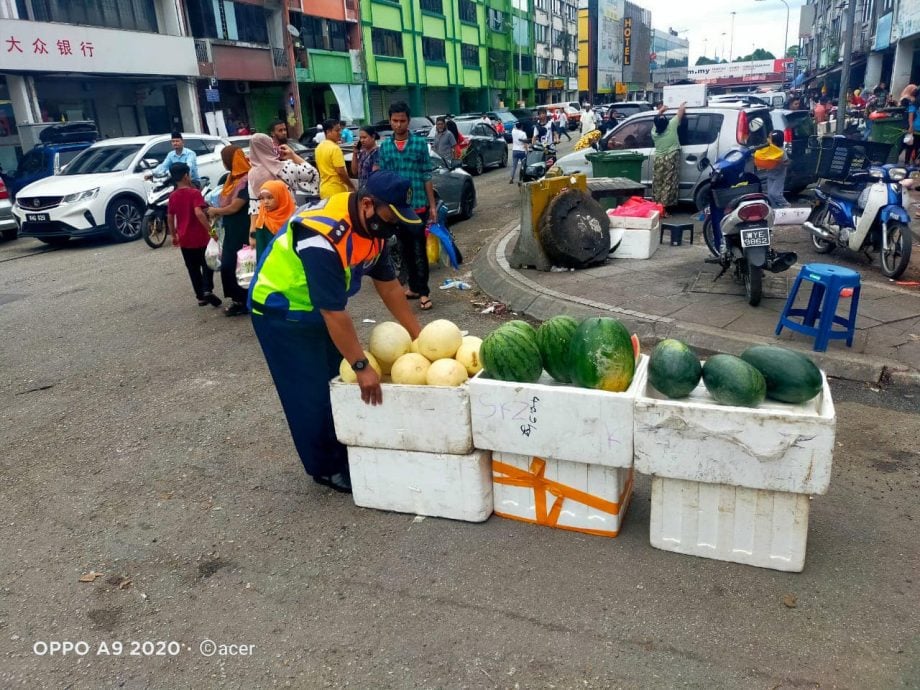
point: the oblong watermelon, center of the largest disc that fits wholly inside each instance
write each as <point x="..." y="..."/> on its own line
<point x="553" y="338"/>
<point x="510" y="353"/>
<point x="601" y="355"/>
<point x="732" y="381"/>
<point x="791" y="377"/>
<point x="673" y="369"/>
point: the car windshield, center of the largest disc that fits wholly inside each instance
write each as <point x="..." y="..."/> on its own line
<point x="103" y="159"/>
<point x="506" y="117"/>
<point x="464" y="127"/>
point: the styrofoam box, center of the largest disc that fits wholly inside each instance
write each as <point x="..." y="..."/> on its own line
<point x="775" y="446"/>
<point x="434" y="484"/>
<point x="631" y="223"/>
<point x="431" y="419"/>
<point x="553" y="420"/>
<point x="634" y="244"/>
<point x="767" y="529"/>
<point x="558" y="485"/>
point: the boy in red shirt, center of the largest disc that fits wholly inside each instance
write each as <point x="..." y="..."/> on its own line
<point x="191" y="232"/>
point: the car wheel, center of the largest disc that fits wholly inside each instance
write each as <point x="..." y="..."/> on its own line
<point x="503" y="162"/>
<point x="475" y="164"/>
<point x="467" y="202"/>
<point x="124" y="219"/>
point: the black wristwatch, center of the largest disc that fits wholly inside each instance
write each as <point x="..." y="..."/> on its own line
<point x="360" y="365"/>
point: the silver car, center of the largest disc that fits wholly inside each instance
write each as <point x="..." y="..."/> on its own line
<point x="706" y="132"/>
<point x="8" y="229"/>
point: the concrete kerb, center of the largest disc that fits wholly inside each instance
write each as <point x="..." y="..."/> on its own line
<point x="495" y="276"/>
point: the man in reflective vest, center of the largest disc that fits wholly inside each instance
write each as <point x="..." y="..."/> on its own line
<point x="298" y="297"/>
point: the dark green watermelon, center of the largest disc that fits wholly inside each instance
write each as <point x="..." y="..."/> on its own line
<point x="791" y="377"/>
<point x="673" y="369"/>
<point x="510" y="353"/>
<point x="554" y="337"/>
<point x="732" y="381"/>
<point x="601" y="355"/>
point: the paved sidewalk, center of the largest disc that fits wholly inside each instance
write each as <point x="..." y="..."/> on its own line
<point x="673" y="294"/>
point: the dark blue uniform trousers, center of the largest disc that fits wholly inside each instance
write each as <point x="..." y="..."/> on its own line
<point x="302" y="359"/>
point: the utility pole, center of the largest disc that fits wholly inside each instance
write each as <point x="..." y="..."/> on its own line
<point x="731" y="38"/>
<point x="845" y="68"/>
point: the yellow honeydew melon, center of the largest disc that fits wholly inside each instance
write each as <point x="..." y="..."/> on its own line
<point x="468" y="354"/>
<point x="410" y="369"/>
<point x="446" y="372"/>
<point x="440" y="339"/>
<point x="389" y="341"/>
<point x="348" y="374"/>
<point x="414" y="346"/>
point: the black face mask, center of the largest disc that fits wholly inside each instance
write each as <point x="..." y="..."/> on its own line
<point x="378" y="228"/>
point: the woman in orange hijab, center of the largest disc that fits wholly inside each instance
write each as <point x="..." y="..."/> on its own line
<point x="233" y="208"/>
<point x="276" y="206"/>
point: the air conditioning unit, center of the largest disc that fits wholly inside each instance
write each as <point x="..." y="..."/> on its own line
<point x="242" y="87"/>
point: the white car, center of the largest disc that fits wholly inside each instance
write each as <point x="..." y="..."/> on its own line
<point x="103" y="191"/>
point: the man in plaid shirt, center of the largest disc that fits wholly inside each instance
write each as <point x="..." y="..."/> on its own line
<point x="407" y="154"/>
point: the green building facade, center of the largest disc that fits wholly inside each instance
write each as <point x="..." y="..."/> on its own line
<point x="445" y="56"/>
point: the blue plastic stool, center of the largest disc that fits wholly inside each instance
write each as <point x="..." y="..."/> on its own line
<point x="828" y="282"/>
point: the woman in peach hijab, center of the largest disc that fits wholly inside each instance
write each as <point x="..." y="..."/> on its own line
<point x="276" y="206"/>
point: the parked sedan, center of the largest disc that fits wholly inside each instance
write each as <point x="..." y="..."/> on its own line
<point x="486" y="146"/>
<point x="454" y="186"/>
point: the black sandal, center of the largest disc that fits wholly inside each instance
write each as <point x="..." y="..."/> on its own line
<point x="425" y="303"/>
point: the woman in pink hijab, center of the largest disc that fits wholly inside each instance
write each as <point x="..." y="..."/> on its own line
<point x="285" y="165"/>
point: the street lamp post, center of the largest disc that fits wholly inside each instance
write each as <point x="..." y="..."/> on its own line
<point x="786" y="33"/>
<point x="731" y="38"/>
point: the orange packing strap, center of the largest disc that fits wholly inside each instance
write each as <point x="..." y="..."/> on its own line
<point x="536" y="480"/>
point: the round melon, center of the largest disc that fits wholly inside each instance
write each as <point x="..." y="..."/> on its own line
<point x="348" y="374"/>
<point x="468" y="354"/>
<point x="510" y="353"/>
<point x="601" y="355"/>
<point x="410" y="369"/>
<point x="446" y="372"/>
<point x="553" y="338"/>
<point x="389" y="341"/>
<point x="440" y="339"/>
<point x="673" y="369"/>
<point x="732" y="381"/>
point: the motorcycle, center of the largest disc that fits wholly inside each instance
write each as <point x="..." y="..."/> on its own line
<point x="738" y="223"/>
<point x="865" y="212"/>
<point x="539" y="159"/>
<point x="155" y="229"/>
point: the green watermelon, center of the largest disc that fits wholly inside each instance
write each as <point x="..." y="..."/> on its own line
<point x="673" y="369"/>
<point x="553" y="338"/>
<point x="510" y="353"/>
<point x="791" y="377"/>
<point x="732" y="381"/>
<point x="601" y="355"/>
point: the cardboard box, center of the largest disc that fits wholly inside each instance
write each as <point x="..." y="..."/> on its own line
<point x="693" y="94"/>
<point x="431" y="419"/>
<point x="556" y="493"/>
<point x="775" y="446"/>
<point x="458" y="487"/>
<point x="767" y="529"/>
<point x="552" y="420"/>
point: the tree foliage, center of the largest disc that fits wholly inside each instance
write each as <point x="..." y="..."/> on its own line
<point x="758" y="54"/>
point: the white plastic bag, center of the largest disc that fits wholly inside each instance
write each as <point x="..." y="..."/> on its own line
<point x="245" y="266"/>
<point x="908" y="139"/>
<point x="212" y="255"/>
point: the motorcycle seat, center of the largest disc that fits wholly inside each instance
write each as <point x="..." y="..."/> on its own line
<point x="733" y="204"/>
<point x="841" y="190"/>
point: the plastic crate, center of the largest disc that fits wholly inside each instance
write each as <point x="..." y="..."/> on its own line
<point x="724" y="196"/>
<point x="838" y="156"/>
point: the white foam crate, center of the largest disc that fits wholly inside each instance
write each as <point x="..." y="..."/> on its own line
<point x="767" y="529"/>
<point x="634" y="244"/>
<point x="458" y="487"/>
<point x="553" y="492"/>
<point x="431" y="419"/>
<point x="551" y="420"/>
<point x="651" y="222"/>
<point x="775" y="446"/>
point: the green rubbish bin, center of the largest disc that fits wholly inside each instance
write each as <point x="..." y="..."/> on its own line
<point x="616" y="164"/>
<point x="890" y="130"/>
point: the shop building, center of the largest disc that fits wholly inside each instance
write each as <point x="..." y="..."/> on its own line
<point x="669" y="57"/>
<point x="555" y="26"/>
<point x="132" y="71"/>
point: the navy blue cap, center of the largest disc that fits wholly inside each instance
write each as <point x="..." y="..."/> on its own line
<point x="396" y="192"/>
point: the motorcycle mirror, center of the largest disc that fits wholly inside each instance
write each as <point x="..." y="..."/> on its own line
<point x="703" y="163"/>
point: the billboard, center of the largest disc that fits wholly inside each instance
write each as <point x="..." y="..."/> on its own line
<point x="609" y="44"/>
<point x="752" y="69"/>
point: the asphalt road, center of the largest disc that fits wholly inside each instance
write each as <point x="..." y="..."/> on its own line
<point x="142" y="439"/>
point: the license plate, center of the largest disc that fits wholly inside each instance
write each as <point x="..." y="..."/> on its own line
<point x="755" y="237"/>
<point x="37" y="217"/>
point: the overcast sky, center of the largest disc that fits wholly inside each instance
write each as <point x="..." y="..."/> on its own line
<point x="758" y="23"/>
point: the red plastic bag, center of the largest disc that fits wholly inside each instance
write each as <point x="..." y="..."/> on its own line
<point x="636" y="207"/>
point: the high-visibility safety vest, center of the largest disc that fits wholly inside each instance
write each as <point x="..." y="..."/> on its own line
<point x="280" y="285"/>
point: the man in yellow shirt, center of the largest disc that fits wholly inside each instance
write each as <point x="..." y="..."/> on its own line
<point x="330" y="161"/>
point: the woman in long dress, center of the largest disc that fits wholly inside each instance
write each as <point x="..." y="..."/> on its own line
<point x="666" y="161"/>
